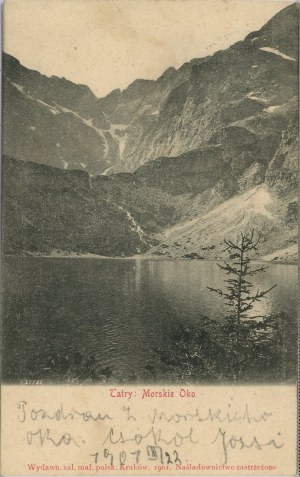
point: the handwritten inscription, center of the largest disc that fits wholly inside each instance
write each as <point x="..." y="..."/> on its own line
<point x="240" y="443"/>
<point x="44" y="437"/>
<point x="126" y="436"/>
<point x="59" y="414"/>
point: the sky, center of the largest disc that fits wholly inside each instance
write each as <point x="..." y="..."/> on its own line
<point x="107" y="44"/>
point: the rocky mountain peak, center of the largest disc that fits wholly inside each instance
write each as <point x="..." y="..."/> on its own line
<point x="166" y="158"/>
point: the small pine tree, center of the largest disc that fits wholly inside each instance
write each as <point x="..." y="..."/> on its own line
<point x="239" y="296"/>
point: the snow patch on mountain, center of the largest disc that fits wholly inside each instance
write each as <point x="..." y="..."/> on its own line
<point x="51" y="108"/>
<point x="121" y="140"/>
<point x="106" y="171"/>
<point x="278" y="53"/>
<point x="17" y="86"/>
<point x="20" y="88"/>
<point x="259" y="99"/>
<point x="272" y="109"/>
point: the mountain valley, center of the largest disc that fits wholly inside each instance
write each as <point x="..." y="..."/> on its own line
<point x="167" y="168"/>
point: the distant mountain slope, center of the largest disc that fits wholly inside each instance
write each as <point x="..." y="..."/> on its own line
<point x="53" y="121"/>
<point x="56" y="122"/>
<point x="46" y="209"/>
<point x="204" y="235"/>
<point x="160" y="209"/>
<point x="226" y="97"/>
<point x="234" y="96"/>
<point x="168" y="167"/>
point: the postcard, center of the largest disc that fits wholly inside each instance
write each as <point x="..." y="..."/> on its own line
<point x="149" y="237"/>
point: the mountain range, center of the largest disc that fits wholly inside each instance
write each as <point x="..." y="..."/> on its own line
<point x="168" y="167"/>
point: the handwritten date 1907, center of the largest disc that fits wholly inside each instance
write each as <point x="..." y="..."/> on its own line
<point x="150" y="453"/>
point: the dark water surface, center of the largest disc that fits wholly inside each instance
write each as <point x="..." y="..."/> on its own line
<point x="113" y="312"/>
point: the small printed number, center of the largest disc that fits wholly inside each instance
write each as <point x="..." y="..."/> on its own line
<point x="33" y="381"/>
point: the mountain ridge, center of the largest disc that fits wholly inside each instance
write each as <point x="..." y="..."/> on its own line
<point x="159" y="158"/>
<point x="180" y="111"/>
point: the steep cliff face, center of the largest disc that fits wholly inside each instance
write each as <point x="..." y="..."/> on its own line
<point x="161" y="209"/>
<point x="56" y="122"/>
<point x="53" y="121"/>
<point x="282" y="170"/>
<point x="226" y="200"/>
<point x="48" y="210"/>
<point x="230" y="97"/>
<point x="201" y="154"/>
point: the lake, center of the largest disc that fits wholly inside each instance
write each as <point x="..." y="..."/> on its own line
<point x="112" y="314"/>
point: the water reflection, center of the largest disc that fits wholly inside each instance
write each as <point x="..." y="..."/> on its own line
<point x="117" y="311"/>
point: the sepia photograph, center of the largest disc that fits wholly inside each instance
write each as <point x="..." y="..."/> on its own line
<point x="149" y="193"/>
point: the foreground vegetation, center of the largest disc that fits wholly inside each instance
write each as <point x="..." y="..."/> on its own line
<point x="241" y="347"/>
<point x="266" y="352"/>
<point x="207" y="353"/>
